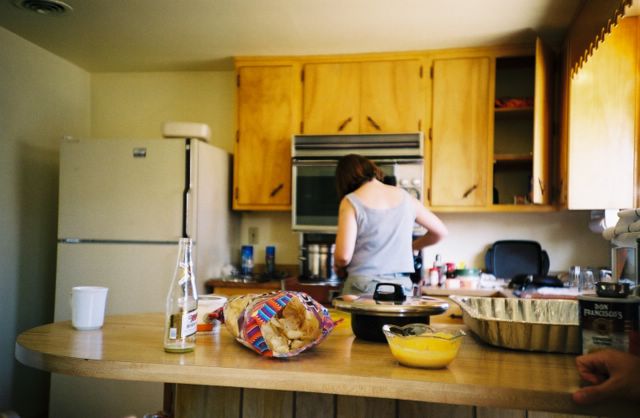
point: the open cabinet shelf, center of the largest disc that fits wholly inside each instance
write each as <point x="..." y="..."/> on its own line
<point x="513" y="130"/>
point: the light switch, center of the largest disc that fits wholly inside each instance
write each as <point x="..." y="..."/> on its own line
<point x="253" y="235"/>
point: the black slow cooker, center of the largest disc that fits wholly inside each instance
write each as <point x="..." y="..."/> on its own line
<point x="387" y="305"/>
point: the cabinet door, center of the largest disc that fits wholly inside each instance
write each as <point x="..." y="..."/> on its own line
<point x="331" y="98"/>
<point x="392" y="96"/>
<point x="602" y="124"/>
<point x="541" y="182"/>
<point x="266" y="121"/>
<point x="460" y="132"/>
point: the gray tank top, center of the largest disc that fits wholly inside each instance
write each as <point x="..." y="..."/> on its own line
<point x="383" y="241"/>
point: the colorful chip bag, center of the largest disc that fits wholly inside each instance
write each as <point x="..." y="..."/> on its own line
<point x="278" y="324"/>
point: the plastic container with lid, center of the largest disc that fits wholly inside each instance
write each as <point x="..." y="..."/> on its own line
<point x="206" y="305"/>
<point x="469" y="278"/>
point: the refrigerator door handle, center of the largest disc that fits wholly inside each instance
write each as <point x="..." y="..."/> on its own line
<point x="188" y="216"/>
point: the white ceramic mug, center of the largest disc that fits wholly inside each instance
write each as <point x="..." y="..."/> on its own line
<point x="87" y="307"/>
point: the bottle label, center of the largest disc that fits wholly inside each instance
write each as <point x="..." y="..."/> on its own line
<point x="185" y="277"/>
<point x="173" y="333"/>
<point x="190" y="323"/>
<point x="183" y="325"/>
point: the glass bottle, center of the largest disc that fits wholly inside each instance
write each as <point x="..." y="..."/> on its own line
<point x="441" y="267"/>
<point x="270" y="261"/>
<point x="246" y="255"/>
<point x="182" y="303"/>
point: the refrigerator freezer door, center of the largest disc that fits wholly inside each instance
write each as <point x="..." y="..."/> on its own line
<point x="121" y="189"/>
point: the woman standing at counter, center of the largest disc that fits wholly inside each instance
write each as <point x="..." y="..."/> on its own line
<point x="375" y="226"/>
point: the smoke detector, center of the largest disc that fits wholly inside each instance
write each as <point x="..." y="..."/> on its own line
<point x="44" y="7"/>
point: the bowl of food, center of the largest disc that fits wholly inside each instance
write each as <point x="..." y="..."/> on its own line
<point x="420" y="345"/>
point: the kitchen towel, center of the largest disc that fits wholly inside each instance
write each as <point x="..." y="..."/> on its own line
<point x="627" y="229"/>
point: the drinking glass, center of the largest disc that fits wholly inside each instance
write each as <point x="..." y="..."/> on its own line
<point x="575" y="277"/>
<point x="588" y="280"/>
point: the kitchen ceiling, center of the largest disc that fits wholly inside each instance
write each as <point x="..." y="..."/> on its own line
<point x="173" y="35"/>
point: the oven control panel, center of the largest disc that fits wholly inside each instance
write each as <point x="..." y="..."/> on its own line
<point x="407" y="175"/>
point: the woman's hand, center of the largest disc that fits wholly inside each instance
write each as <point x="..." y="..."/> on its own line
<point x="611" y="373"/>
<point x="341" y="272"/>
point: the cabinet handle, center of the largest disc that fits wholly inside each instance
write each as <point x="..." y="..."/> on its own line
<point x="541" y="187"/>
<point x="344" y="124"/>
<point x="468" y="192"/>
<point x="373" y="123"/>
<point x="276" y="190"/>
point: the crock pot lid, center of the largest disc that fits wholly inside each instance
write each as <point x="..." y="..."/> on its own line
<point x="423" y="305"/>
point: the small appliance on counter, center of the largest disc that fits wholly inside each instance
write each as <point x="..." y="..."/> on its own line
<point x="317" y="258"/>
<point x="387" y="305"/>
<point x="317" y="276"/>
<point x="524" y="262"/>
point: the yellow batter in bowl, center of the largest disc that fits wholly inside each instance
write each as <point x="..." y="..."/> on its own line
<point x="419" y="345"/>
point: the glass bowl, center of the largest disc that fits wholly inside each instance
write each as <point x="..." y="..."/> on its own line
<point x="419" y="345"/>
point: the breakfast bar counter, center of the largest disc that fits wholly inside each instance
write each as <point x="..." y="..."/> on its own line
<point x="341" y="377"/>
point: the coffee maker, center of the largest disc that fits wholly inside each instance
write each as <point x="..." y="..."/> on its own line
<point x="317" y="258"/>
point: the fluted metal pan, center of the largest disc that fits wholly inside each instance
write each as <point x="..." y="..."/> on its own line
<point x="549" y="325"/>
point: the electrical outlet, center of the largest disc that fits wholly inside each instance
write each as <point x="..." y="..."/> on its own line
<point x="253" y="235"/>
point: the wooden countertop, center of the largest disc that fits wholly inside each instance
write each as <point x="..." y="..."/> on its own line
<point x="129" y="347"/>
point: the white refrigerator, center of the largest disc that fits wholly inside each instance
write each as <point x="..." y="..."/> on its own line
<point x="123" y="205"/>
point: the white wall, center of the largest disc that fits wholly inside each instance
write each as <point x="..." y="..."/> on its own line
<point x="274" y="228"/>
<point x="565" y="235"/>
<point x="42" y="98"/>
<point x="136" y="105"/>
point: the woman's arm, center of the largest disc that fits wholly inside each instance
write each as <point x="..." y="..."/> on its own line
<point x="436" y="229"/>
<point x="346" y="236"/>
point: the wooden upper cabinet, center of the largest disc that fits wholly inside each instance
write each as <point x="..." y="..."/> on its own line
<point x="266" y="114"/>
<point x="363" y="97"/>
<point x="603" y="124"/>
<point x="522" y="130"/>
<point x="460" y="132"/>
<point x="331" y="98"/>
<point x="392" y="97"/>
<point x="542" y="115"/>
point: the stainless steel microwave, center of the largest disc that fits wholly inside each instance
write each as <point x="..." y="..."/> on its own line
<point x="314" y="160"/>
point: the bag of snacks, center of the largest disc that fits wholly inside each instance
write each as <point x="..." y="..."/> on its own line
<point x="278" y="324"/>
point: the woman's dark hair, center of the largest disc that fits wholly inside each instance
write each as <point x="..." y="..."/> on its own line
<point x="353" y="171"/>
